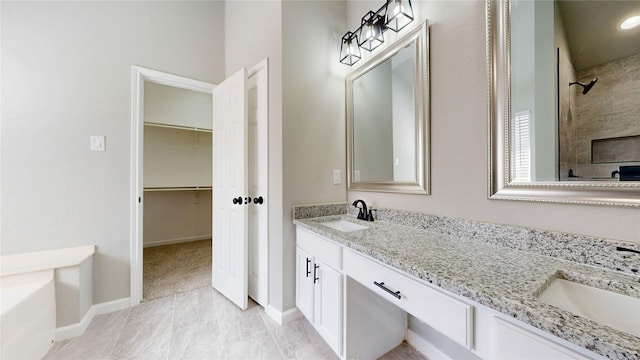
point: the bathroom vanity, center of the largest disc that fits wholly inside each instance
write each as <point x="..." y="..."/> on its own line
<point x="357" y="285"/>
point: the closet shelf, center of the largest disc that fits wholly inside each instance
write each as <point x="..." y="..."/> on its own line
<point x="179" y="188"/>
<point x="178" y="127"/>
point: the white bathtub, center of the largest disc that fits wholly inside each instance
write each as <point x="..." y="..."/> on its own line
<point x="28" y="314"/>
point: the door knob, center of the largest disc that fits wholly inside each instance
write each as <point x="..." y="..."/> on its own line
<point x="258" y="200"/>
<point x="237" y="200"/>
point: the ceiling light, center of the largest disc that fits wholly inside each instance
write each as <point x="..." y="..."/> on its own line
<point x="630" y="23"/>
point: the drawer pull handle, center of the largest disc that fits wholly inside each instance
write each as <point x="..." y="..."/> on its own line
<point x="315" y="271"/>
<point x="395" y="294"/>
<point x="308" y="271"/>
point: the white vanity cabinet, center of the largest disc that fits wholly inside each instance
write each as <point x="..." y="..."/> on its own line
<point x="319" y="285"/>
<point x="514" y="342"/>
<point x="359" y="305"/>
<point x="451" y="317"/>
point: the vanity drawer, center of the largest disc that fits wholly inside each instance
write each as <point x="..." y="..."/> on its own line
<point x="444" y="313"/>
<point x="328" y="251"/>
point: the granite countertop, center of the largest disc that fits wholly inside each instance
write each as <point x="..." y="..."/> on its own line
<point x="501" y="278"/>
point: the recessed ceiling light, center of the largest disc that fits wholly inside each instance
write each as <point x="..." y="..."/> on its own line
<point x="630" y="23"/>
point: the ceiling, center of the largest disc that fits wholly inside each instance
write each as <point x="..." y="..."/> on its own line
<point x="593" y="30"/>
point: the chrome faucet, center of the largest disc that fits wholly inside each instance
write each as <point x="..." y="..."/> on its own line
<point x="363" y="214"/>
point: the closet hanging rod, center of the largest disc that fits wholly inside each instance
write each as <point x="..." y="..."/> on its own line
<point x="178" y="188"/>
<point x="179" y="127"/>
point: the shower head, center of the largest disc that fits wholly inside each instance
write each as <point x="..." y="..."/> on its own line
<point x="585" y="87"/>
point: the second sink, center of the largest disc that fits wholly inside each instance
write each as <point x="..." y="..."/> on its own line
<point x="618" y="311"/>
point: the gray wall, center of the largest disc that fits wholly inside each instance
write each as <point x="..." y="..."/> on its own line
<point x="66" y="75"/>
<point x="459" y="111"/>
<point x="313" y="122"/>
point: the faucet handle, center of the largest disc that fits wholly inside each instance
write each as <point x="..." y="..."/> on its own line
<point x="370" y="215"/>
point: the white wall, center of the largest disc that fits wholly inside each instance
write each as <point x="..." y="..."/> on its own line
<point x="171" y="105"/>
<point x="66" y="74"/>
<point x="459" y="111"/>
<point x="175" y="216"/>
<point x="313" y="116"/>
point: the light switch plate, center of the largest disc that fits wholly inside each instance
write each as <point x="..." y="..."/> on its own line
<point x="97" y="143"/>
<point x="337" y="178"/>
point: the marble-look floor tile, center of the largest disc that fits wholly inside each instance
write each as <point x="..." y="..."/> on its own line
<point x="144" y="339"/>
<point x="97" y="341"/>
<point x="197" y="342"/>
<point x="259" y="345"/>
<point x="151" y="309"/>
<point x="199" y="324"/>
<point x="297" y="338"/>
<point x="195" y="307"/>
<point x="403" y="351"/>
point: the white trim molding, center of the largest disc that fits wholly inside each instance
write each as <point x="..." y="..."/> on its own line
<point x="282" y="317"/>
<point x="138" y="76"/>
<point x="77" y="329"/>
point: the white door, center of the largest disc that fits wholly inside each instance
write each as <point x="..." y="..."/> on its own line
<point x="257" y="88"/>
<point x="230" y="190"/>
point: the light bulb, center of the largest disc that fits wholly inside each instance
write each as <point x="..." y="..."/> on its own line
<point x="630" y="23"/>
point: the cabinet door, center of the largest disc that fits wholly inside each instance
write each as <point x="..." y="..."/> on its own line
<point x="304" y="283"/>
<point x="513" y="342"/>
<point x="328" y="305"/>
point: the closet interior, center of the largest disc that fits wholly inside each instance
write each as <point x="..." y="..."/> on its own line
<point x="177" y="177"/>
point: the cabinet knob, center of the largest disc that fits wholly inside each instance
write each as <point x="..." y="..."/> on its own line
<point x="237" y="200"/>
<point x="259" y="200"/>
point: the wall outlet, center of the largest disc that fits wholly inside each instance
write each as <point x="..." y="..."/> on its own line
<point x="337" y="177"/>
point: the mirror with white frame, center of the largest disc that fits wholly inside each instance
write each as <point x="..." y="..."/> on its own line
<point x="564" y="120"/>
<point x="387" y="102"/>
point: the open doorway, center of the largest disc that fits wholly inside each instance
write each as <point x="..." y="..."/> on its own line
<point x="177" y="178"/>
<point x="196" y="194"/>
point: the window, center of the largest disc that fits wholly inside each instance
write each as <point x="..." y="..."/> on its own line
<point x="521" y="161"/>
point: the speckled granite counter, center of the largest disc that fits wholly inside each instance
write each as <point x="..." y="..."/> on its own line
<point x="505" y="279"/>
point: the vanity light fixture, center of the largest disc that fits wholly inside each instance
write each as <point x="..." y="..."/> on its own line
<point x="630" y="23"/>
<point x="371" y="31"/>
<point x="394" y="15"/>
<point x="399" y="14"/>
<point x="349" y="50"/>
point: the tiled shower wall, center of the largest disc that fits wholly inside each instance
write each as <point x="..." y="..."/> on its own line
<point x="611" y="109"/>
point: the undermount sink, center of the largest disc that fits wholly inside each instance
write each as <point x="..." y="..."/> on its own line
<point x="618" y="311"/>
<point x="344" y="225"/>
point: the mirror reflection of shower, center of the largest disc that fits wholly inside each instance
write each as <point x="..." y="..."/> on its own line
<point x="585" y="87"/>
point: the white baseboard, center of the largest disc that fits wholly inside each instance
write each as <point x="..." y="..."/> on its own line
<point x="176" y="240"/>
<point x="111" y="306"/>
<point x="77" y="329"/>
<point x="283" y="317"/>
<point x="425" y="347"/>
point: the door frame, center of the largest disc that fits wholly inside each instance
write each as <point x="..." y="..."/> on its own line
<point x="139" y="75"/>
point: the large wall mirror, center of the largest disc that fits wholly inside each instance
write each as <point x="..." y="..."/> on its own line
<point x="564" y="106"/>
<point x="388" y="118"/>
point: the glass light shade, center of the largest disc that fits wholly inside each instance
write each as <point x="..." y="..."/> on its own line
<point x="371" y="31"/>
<point x="399" y="14"/>
<point x="349" y="50"/>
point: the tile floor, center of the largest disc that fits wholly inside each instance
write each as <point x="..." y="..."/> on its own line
<point x="199" y="324"/>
